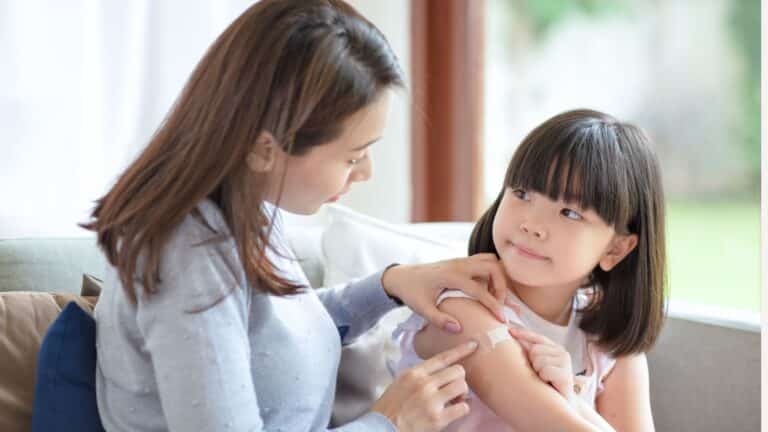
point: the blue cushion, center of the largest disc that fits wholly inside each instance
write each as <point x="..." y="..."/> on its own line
<point x="65" y="393"/>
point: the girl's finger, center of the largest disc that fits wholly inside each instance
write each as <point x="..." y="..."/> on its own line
<point x="541" y="362"/>
<point x="548" y="350"/>
<point x="551" y="374"/>
<point x="526" y="347"/>
<point x="520" y="333"/>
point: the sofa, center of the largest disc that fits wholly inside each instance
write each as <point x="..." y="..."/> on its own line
<point x="704" y="371"/>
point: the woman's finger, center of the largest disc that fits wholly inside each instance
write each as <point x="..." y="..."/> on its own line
<point x="440" y="319"/>
<point x="452" y="391"/>
<point x="454" y="412"/>
<point x="485" y="256"/>
<point x="448" y="357"/>
<point x="493" y="272"/>
<point x="447" y="375"/>
<point x="480" y="292"/>
<point x="492" y="304"/>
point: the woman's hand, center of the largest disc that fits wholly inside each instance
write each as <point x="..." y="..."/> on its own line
<point x="429" y="396"/>
<point x="550" y="361"/>
<point x="418" y="286"/>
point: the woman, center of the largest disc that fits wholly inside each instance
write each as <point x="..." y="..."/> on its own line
<point x="206" y="321"/>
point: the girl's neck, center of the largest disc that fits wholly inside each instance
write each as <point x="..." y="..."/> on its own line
<point x="552" y="303"/>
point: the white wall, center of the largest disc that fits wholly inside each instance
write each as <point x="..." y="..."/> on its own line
<point x="388" y="194"/>
<point x="86" y="84"/>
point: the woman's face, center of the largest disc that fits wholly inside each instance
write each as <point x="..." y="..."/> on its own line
<point x="328" y="171"/>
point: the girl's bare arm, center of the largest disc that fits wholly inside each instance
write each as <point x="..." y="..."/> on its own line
<point x="502" y="377"/>
<point x="625" y="402"/>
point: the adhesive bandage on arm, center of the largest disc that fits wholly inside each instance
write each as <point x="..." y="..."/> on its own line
<point x="487" y="341"/>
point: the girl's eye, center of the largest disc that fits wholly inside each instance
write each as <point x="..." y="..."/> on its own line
<point x="521" y="194"/>
<point x="570" y="214"/>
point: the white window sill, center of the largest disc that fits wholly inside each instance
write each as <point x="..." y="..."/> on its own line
<point x="738" y="319"/>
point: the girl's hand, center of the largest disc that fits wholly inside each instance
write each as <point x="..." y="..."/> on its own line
<point x="550" y="361"/>
<point x="429" y="396"/>
<point x="418" y="286"/>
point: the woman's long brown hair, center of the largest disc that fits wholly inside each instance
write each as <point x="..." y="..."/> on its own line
<point x="293" y="68"/>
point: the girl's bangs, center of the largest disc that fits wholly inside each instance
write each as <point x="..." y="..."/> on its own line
<point x="584" y="167"/>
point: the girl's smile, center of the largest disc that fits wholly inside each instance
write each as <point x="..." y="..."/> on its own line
<point x="526" y="252"/>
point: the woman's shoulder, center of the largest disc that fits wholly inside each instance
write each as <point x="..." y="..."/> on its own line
<point x="202" y="226"/>
<point x="200" y="234"/>
<point x="199" y="261"/>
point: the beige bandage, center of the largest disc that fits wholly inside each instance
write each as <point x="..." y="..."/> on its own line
<point x="488" y="340"/>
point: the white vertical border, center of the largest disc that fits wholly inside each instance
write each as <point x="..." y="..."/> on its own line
<point x="764" y="222"/>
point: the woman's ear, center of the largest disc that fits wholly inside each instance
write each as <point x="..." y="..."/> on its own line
<point x="620" y="247"/>
<point x="264" y="154"/>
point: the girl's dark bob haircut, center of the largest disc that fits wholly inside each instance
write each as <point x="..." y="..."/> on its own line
<point x="591" y="158"/>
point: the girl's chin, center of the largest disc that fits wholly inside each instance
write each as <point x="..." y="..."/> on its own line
<point x="523" y="278"/>
<point x="527" y="281"/>
<point x="526" y="276"/>
<point x="535" y="281"/>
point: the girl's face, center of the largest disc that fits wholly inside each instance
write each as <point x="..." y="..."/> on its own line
<point x="545" y="243"/>
<point x="328" y="171"/>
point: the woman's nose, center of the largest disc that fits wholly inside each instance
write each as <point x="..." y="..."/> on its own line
<point x="363" y="171"/>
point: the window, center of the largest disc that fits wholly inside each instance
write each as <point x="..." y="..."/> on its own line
<point x="686" y="71"/>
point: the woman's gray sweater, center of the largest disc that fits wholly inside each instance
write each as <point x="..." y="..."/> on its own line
<point x="207" y="352"/>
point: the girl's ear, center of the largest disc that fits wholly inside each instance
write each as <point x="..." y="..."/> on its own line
<point x="262" y="158"/>
<point x="620" y="247"/>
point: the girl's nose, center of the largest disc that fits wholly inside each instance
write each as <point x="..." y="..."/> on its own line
<point x="535" y="230"/>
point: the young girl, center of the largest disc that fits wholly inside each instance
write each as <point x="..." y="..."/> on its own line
<point x="206" y="321"/>
<point x="579" y="227"/>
